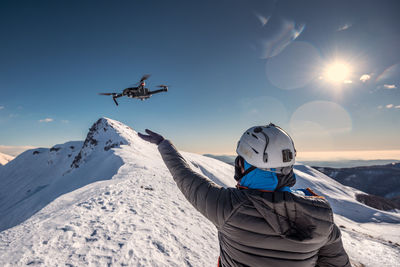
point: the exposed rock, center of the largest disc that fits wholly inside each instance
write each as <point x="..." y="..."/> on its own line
<point x="108" y="147"/>
<point x="104" y="134"/>
<point x="75" y="162"/>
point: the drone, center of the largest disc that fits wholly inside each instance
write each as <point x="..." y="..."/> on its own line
<point x="139" y="91"/>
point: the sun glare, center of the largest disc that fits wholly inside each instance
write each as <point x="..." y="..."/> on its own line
<point x="337" y="72"/>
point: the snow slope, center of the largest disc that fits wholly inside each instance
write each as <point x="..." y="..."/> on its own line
<point x="4" y="158"/>
<point x="110" y="200"/>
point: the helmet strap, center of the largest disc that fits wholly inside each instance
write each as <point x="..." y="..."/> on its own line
<point x="252" y="168"/>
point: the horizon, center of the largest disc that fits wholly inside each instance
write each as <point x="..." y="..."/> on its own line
<point x="326" y="72"/>
<point x="338" y="155"/>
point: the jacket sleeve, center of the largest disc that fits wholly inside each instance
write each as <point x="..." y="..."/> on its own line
<point x="333" y="253"/>
<point x="214" y="202"/>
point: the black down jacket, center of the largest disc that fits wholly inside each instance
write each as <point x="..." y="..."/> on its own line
<point x="255" y="228"/>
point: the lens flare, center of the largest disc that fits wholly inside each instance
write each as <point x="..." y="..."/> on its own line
<point x="337" y="72"/>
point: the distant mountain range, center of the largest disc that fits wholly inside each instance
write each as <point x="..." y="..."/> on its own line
<point x="349" y="163"/>
<point x="224" y="158"/>
<point x="230" y="159"/>
<point x="380" y="180"/>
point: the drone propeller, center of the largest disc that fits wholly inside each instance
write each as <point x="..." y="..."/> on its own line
<point x="145" y="77"/>
<point x="113" y="94"/>
<point x="163" y="86"/>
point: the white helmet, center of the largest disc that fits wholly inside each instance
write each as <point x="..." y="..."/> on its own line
<point x="267" y="147"/>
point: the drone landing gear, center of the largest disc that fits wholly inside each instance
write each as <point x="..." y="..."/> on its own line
<point x="114" y="98"/>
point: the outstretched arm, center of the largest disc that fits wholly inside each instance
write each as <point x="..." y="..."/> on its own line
<point x="214" y="202"/>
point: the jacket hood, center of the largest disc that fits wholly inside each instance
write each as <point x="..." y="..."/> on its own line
<point x="294" y="217"/>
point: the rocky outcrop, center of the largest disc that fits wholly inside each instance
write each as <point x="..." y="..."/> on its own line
<point x="104" y="135"/>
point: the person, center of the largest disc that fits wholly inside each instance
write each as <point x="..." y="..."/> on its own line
<point x="261" y="222"/>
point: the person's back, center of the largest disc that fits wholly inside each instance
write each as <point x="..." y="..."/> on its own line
<point x="262" y="222"/>
<point x="280" y="229"/>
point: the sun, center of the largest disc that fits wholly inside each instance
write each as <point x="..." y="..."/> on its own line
<point x="337" y="72"/>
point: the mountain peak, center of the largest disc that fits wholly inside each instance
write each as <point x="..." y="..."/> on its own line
<point x="107" y="123"/>
<point x="103" y="135"/>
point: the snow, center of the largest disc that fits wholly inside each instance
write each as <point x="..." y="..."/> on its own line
<point x="4" y="159"/>
<point x="118" y="205"/>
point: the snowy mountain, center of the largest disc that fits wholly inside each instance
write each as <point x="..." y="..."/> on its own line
<point x="224" y="158"/>
<point x="110" y="200"/>
<point x="380" y="180"/>
<point x="4" y="158"/>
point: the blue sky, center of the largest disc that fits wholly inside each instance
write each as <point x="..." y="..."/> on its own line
<point x="229" y="64"/>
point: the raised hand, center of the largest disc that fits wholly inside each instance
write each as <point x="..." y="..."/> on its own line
<point x="152" y="137"/>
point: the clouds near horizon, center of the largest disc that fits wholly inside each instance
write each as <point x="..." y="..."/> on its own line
<point x="389" y="86"/>
<point x="46" y="120"/>
<point x="14" y="150"/>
